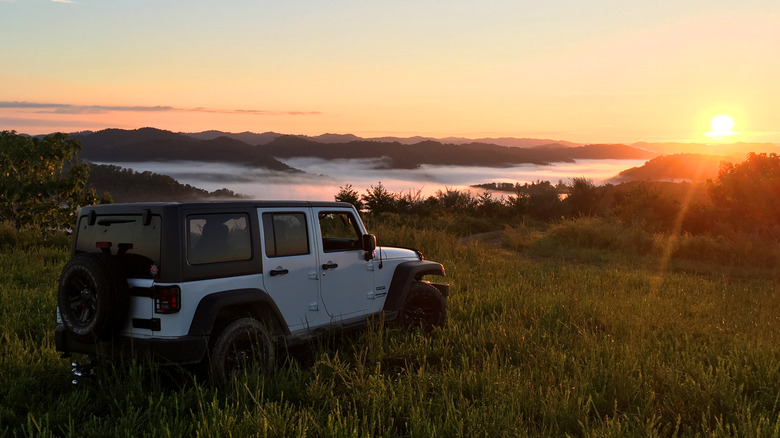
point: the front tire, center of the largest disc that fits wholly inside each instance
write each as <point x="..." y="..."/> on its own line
<point x="244" y="345"/>
<point x="424" y="309"/>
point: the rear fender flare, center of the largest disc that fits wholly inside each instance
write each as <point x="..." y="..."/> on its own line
<point x="210" y="306"/>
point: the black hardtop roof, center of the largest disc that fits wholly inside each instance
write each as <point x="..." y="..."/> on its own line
<point x="136" y="207"/>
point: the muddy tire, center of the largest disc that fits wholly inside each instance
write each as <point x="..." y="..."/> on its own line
<point x="242" y="346"/>
<point x="424" y="309"/>
<point x="92" y="297"/>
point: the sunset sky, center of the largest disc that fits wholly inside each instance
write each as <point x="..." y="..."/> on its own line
<point x="584" y="71"/>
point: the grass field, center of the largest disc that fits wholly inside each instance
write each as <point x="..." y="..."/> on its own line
<point x="581" y="329"/>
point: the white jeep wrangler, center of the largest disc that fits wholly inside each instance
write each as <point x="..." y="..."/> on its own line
<point x="221" y="283"/>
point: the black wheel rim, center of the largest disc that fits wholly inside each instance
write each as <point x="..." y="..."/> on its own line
<point x="422" y="313"/>
<point x="82" y="299"/>
<point x="244" y="354"/>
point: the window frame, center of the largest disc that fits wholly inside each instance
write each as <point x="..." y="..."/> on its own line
<point x="240" y="254"/>
<point x="271" y="231"/>
<point x="329" y="248"/>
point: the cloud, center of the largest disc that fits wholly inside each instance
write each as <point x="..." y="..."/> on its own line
<point x="63" y="108"/>
<point x="8" y="123"/>
<point x="69" y="2"/>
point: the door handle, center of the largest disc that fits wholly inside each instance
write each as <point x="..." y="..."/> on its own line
<point x="329" y="265"/>
<point x="278" y="271"/>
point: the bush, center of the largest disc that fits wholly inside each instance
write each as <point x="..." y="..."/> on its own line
<point x="736" y="250"/>
<point x="27" y="237"/>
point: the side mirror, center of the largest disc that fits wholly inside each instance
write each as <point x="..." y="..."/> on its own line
<point x="369" y="245"/>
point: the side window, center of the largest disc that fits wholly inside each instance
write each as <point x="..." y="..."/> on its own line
<point x="285" y="234"/>
<point x="340" y="231"/>
<point x="213" y="238"/>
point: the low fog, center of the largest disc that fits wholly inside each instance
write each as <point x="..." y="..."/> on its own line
<point x="324" y="177"/>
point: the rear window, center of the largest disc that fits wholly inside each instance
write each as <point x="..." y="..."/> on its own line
<point x="216" y="238"/>
<point x="137" y="246"/>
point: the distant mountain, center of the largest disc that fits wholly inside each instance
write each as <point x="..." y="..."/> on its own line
<point x="511" y="141"/>
<point x="150" y="144"/>
<point x="267" y="137"/>
<point x="737" y="151"/>
<point x="334" y="138"/>
<point x="435" y="153"/>
<point x="246" y="136"/>
<point x="677" y="167"/>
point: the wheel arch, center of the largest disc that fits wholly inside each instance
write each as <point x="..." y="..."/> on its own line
<point x="405" y="274"/>
<point x="217" y="310"/>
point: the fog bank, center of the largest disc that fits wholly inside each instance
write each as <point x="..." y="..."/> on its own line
<point x="324" y="177"/>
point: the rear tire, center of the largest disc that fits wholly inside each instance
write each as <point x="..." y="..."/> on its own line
<point x="243" y="346"/>
<point x="424" y="309"/>
<point x="92" y="297"/>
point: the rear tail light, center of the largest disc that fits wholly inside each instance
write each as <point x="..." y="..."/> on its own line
<point x="167" y="299"/>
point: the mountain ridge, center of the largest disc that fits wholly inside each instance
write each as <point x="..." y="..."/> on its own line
<point x="267" y="137"/>
<point x="151" y="144"/>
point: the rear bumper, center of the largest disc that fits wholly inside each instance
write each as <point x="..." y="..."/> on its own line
<point x="183" y="350"/>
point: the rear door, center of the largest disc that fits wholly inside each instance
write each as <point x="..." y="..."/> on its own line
<point x="347" y="283"/>
<point x="290" y="272"/>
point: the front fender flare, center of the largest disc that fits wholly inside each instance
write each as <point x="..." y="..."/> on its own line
<point x="405" y="274"/>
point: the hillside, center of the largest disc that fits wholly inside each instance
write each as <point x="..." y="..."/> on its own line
<point x="561" y="331"/>
<point x="735" y="151"/>
<point x="149" y="144"/>
<point x="688" y="167"/>
<point x="127" y="185"/>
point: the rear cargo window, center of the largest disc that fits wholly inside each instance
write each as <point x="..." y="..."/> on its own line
<point x="136" y="245"/>
<point x="214" y="238"/>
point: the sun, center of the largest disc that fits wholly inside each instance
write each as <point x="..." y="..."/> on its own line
<point x="722" y="126"/>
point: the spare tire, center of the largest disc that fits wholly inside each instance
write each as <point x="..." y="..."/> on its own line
<point x="92" y="296"/>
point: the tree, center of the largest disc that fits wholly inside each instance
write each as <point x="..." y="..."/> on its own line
<point x="648" y="205"/>
<point x="747" y="194"/>
<point x="42" y="181"/>
<point x="543" y="200"/>
<point x="583" y="197"/>
<point x="487" y="205"/>
<point x="348" y="194"/>
<point x="379" y="200"/>
<point x="456" y="200"/>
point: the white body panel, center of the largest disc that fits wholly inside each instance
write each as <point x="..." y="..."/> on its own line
<point x="178" y="324"/>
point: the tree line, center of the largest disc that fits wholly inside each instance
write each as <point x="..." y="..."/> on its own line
<point x="743" y="197"/>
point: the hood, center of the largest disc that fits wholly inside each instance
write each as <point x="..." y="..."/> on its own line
<point x="389" y="252"/>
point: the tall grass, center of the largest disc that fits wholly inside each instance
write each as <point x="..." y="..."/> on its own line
<point x="539" y="342"/>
